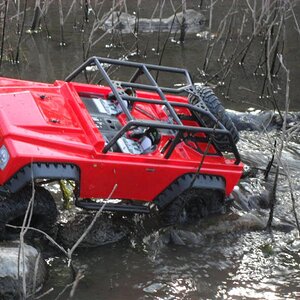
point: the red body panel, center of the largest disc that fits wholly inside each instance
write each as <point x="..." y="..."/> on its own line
<point x="50" y="123"/>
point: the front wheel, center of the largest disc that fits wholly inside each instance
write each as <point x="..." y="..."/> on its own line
<point x="13" y="209"/>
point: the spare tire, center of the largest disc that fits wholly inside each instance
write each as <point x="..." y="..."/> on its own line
<point x="215" y="106"/>
<point x="13" y="209"/>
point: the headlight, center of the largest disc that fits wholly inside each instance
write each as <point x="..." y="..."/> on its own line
<point x="4" y="157"/>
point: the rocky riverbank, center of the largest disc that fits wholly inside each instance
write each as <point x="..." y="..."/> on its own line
<point x="22" y="270"/>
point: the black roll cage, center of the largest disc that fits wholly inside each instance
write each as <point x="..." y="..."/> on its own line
<point x="144" y="69"/>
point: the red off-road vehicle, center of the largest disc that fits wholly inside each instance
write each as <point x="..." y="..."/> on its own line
<point x="158" y="145"/>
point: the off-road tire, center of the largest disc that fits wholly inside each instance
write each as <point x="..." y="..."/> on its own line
<point x="216" y="108"/>
<point x="13" y="210"/>
<point x="191" y="206"/>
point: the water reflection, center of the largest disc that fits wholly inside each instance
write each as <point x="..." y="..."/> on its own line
<point x="249" y="265"/>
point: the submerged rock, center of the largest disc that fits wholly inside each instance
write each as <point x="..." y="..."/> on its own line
<point x="235" y="223"/>
<point x="106" y="230"/>
<point x="261" y="120"/>
<point x="16" y="264"/>
<point x="246" y="202"/>
<point x="127" y="23"/>
<point x="196" y="234"/>
<point x="243" y="221"/>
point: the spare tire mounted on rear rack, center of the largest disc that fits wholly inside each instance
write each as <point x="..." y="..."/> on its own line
<point x="215" y="106"/>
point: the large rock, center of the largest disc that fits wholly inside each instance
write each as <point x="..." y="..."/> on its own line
<point x="262" y="120"/>
<point x="14" y="266"/>
<point x="195" y="234"/>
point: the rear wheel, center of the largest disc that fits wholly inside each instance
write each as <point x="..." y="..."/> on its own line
<point x="193" y="205"/>
<point x="13" y="210"/>
<point x="215" y="106"/>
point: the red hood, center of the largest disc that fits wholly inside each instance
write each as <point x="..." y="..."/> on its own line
<point x="43" y="115"/>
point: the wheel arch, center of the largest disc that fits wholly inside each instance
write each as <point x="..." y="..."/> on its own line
<point x="187" y="181"/>
<point x="35" y="171"/>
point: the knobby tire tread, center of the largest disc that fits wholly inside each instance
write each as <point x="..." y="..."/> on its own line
<point x="14" y="207"/>
<point x="216" y="108"/>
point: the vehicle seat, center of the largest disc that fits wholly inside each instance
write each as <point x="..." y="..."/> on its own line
<point x="150" y="140"/>
<point x="140" y="141"/>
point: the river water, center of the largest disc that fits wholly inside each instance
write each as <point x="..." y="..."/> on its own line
<point x="227" y="257"/>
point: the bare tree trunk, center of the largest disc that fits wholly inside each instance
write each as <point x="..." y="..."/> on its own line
<point x="61" y="23"/>
<point x="86" y="10"/>
<point x="36" y="15"/>
<point x="183" y="23"/>
<point x="162" y="4"/>
<point x="273" y="199"/>
<point x="3" y="31"/>
<point x="21" y="33"/>
<point x="18" y="17"/>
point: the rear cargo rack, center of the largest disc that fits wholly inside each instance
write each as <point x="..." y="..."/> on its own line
<point x="176" y="124"/>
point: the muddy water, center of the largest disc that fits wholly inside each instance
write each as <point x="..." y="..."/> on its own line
<point x="215" y="259"/>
